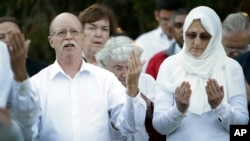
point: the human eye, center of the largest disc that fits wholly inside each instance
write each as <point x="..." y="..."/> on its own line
<point x="74" y="32"/>
<point x="106" y="29"/>
<point x="178" y="25"/>
<point x="2" y="36"/>
<point x="61" y="33"/>
<point x="91" y="27"/>
<point x="205" y="36"/>
<point x="163" y="19"/>
<point x="191" y="35"/>
<point x="118" y="68"/>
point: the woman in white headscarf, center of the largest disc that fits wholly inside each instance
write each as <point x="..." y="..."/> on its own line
<point x="200" y="91"/>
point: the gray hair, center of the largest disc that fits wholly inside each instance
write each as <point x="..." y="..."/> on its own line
<point x="117" y="48"/>
<point x="235" y="22"/>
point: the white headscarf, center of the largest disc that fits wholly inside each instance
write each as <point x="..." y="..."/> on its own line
<point x="214" y="51"/>
<point x="211" y="64"/>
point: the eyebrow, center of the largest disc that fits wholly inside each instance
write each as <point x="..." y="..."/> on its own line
<point x="201" y="33"/>
<point x="118" y="66"/>
<point x="92" y="24"/>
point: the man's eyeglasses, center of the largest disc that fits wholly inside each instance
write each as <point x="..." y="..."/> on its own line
<point x="240" y="50"/>
<point x="63" y="32"/>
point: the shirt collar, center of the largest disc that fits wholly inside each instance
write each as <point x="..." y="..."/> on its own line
<point x="57" y="69"/>
<point x="160" y="32"/>
<point x="174" y="48"/>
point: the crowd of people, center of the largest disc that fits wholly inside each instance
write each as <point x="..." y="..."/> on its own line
<point x="188" y="75"/>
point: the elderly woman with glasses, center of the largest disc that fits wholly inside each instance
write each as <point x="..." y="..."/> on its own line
<point x="200" y="91"/>
<point x="115" y="57"/>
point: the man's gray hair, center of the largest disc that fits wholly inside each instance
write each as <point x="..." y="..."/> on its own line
<point x="235" y="22"/>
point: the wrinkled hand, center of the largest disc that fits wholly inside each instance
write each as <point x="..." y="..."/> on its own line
<point x="134" y="71"/>
<point x="182" y="96"/>
<point x="215" y="93"/>
<point x="18" y="49"/>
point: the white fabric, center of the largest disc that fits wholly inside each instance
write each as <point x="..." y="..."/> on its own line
<point x="152" y="42"/>
<point x="177" y="49"/>
<point x="213" y="63"/>
<point x="6" y="75"/>
<point x="79" y="109"/>
<point x="147" y="87"/>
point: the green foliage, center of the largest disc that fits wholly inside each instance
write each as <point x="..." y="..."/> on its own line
<point x="134" y="16"/>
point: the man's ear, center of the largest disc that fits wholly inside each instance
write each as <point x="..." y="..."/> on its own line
<point x="50" y="41"/>
<point x="156" y="14"/>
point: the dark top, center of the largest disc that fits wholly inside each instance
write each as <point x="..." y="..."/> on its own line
<point x="34" y="67"/>
<point x="244" y="60"/>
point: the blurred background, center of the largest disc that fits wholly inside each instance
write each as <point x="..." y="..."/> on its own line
<point x="134" y="17"/>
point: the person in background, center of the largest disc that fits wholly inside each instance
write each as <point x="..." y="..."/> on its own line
<point x="235" y="35"/>
<point x="99" y="24"/>
<point x="197" y="90"/>
<point x="160" y="38"/>
<point x="236" y="42"/>
<point x="9" y="24"/>
<point x="115" y="58"/>
<point x="244" y="60"/>
<point x="177" y="21"/>
<point x="93" y="96"/>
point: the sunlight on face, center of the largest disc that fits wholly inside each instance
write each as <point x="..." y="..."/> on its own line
<point x="197" y="38"/>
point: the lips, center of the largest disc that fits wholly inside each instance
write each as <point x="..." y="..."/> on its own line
<point x="100" y="43"/>
<point x="69" y="45"/>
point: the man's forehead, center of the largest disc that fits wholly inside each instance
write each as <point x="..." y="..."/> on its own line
<point x="8" y="26"/>
<point x="65" y="19"/>
<point x="238" y="37"/>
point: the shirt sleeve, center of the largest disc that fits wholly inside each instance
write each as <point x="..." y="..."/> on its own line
<point x="25" y="104"/>
<point x="233" y="113"/>
<point x="133" y="114"/>
<point x="127" y="113"/>
<point x="166" y="117"/>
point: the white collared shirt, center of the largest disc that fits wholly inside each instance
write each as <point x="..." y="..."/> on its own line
<point x="80" y="108"/>
<point x="153" y="42"/>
